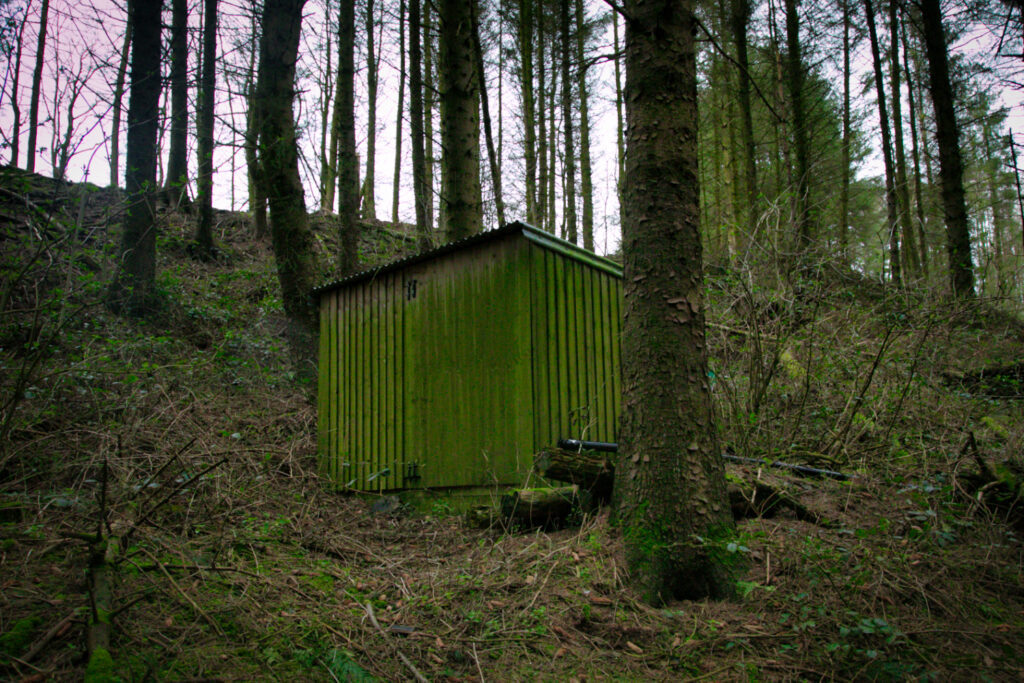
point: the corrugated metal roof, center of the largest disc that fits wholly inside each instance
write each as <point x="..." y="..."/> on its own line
<point x="535" y="235"/>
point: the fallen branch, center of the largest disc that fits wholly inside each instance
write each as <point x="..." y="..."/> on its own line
<point x="401" y="655"/>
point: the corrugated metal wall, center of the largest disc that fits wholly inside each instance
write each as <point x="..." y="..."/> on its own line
<point x="576" y="322"/>
<point x="454" y="371"/>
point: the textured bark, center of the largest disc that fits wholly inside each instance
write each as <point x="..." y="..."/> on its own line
<point x="257" y="189"/>
<point x="460" y="121"/>
<point x="348" y="163"/>
<point x="132" y="290"/>
<point x="947" y="135"/>
<point x="396" y="184"/>
<point x="909" y="251"/>
<point x="569" y="229"/>
<point x="525" y="35"/>
<point x="670" y="487"/>
<point x="115" y="126"/>
<point x="177" y="155"/>
<point x="334" y="142"/>
<point x="419" y="160"/>
<point x="279" y="160"/>
<point x="372" y="65"/>
<point x="891" y="202"/>
<point x="795" y="85"/>
<point x="586" y="182"/>
<point x="204" y="131"/>
<point x="485" y="110"/>
<point x="37" y="81"/>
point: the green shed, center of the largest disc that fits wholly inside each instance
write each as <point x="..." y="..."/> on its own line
<point x="451" y="368"/>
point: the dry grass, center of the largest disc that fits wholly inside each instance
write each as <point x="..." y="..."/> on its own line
<point x="239" y="563"/>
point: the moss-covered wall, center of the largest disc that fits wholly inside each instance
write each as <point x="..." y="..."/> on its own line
<point x="452" y="371"/>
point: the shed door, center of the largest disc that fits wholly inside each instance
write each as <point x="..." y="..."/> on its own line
<point x="467" y="372"/>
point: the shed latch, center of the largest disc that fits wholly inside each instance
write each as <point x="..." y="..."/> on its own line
<point x="410" y="289"/>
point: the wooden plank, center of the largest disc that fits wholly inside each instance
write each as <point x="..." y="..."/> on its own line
<point x="539" y="346"/>
<point x="561" y="387"/>
<point x="597" y="354"/>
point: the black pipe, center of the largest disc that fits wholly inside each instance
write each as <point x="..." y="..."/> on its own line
<point x="606" y="447"/>
<point x="577" y="445"/>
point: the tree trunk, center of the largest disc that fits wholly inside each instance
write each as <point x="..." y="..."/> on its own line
<point x="279" y="160"/>
<point x="947" y="135"/>
<point x="327" y="154"/>
<point x="620" y="125"/>
<point x="204" y="131"/>
<point x="37" y="81"/>
<point x="795" y="85"/>
<point x="132" y="291"/>
<point x="15" y="108"/>
<point x="492" y="156"/>
<point x="891" y="202"/>
<point x="670" y="490"/>
<point x="525" y="31"/>
<point x="429" y="89"/>
<point x="397" y="185"/>
<point x="844" y="193"/>
<point x="115" y="127"/>
<point x="586" y="182"/>
<point x="460" y="121"/>
<point x="915" y="155"/>
<point x="372" y="63"/>
<point x="348" y="163"/>
<point x="542" y="132"/>
<point x="740" y="21"/>
<point x="909" y="252"/>
<point x="257" y="188"/>
<point x="177" y="155"/>
<point x="569" y="162"/>
<point x="419" y="160"/>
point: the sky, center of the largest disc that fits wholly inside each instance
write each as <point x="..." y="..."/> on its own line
<point x="82" y="50"/>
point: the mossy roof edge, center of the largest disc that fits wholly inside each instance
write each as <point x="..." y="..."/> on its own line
<point x="533" y="234"/>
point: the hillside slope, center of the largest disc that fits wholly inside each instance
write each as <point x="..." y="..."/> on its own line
<point x="187" y="438"/>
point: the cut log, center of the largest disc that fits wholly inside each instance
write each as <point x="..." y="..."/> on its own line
<point x="547" y="508"/>
<point x="591" y="471"/>
<point x="594" y="473"/>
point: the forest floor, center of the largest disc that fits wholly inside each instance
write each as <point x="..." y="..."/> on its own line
<point x="187" y="438"/>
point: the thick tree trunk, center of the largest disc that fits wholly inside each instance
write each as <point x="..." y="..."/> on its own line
<point x="132" y="290"/>
<point x="525" y="35"/>
<point x="670" y="489"/>
<point x="947" y="135"/>
<point x="115" y="126"/>
<point x="460" y="121"/>
<point x="348" y="163"/>
<point x="257" y="189"/>
<point x="586" y="182"/>
<point x="327" y="154"/>
<point x="909" y="251"/>
<point x="279" y="160"/>
<point x="177" y="155"/>
<point x="419" y="160"/>
<point x="37" y="82"/>
<point x="891" y="201"/>
<point x="397" y="185"/>
<point x="204" y="131"/>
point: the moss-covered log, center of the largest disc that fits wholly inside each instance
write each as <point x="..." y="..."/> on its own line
<point x="591" y="471"/>
<point x="545" y="508"/>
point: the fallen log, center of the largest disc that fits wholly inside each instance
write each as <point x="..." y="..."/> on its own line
<point x="547" y="508"/>
<point x="594" y="473"/>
